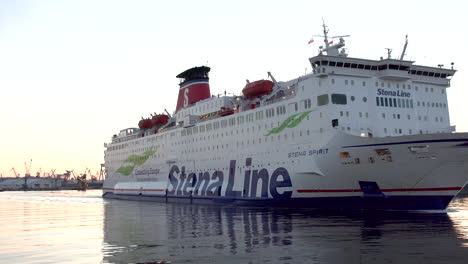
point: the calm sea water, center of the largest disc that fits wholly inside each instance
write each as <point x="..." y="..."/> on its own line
<point x="81" y="227"/>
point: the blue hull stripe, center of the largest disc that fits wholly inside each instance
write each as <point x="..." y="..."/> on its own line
<point x="465" y="140"/>
<point x="422" y="202"/>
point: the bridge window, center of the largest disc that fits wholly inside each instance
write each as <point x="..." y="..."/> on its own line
<point x="322" y="99"/>
<point x="339" y="99"/>
<point x="383" y="67"/>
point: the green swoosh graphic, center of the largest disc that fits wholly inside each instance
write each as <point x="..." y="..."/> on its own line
<point x="290" y="122"/>
<point x="134" y="160"/>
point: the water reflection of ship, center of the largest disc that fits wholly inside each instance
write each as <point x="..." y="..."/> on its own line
<point x="148" y="232"/>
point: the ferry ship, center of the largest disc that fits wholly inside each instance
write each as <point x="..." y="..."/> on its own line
<point x="353" y="134"/>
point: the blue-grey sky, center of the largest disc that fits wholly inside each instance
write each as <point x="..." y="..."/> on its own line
<point x="75" y="72"/>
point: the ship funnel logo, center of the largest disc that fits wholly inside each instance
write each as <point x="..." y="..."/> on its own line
<point x="194" y="87"/>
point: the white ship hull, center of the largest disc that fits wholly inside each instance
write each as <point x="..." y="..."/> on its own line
<point x="421" y="172"/>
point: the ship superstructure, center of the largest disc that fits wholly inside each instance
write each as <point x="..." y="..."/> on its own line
<point x="354" y="133"/>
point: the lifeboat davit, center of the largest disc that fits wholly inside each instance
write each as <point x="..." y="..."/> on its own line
<point x="145" y="123"/>
<point x="160" y="119"/>
<point x="258" y="88"/>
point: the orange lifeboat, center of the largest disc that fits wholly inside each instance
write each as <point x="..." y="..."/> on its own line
<point x="258" y="88"/>
<point x="159" y="119"/>
<point x="145" y="123"/>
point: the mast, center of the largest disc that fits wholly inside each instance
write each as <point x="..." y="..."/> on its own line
<point x="325" y="34"/>
<point x="404" y="48"/>
<point x="330" y="48"/>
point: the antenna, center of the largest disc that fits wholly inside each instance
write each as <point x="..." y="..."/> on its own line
<point x="325" y="33"/>
<point x="389" y="52"/>
<point x="404" y="48"/>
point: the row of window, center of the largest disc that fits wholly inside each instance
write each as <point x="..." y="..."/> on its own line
<point x="426" y="118"/>
<point x="247" y="142"/>
<point x="405" y="103"/>
<point x="394" y="102"/>
<point x="389" y="85"/>
<point x="324" y="99"/>
<point x="361" y="114"/>
<point x="117" y="147"/>
<point x="381" y="67"/>
<point x="429" y="104"/>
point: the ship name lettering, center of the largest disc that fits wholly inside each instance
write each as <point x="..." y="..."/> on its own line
<point x="184" y="183"/>
<point x="398" y="93"/>
<point x="310" y="152"/>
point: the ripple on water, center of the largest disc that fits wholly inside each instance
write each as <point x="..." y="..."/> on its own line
<point x="81" y="227"/>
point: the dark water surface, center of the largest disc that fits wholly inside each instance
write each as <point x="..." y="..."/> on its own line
<point x="81" y="227"/>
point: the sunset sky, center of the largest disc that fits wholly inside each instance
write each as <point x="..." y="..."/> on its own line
<point x="75" y="72"/>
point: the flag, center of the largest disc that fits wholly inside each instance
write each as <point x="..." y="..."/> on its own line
<point x="310" y="41"/>
<point x="331" y="42"/>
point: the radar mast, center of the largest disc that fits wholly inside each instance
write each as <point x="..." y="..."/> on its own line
<point x="330" y="48"/>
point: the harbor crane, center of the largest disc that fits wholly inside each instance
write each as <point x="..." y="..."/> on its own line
<point x="102" y="172"/>
<point x="28" y="169"/>
<point x="14" y="172"/>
